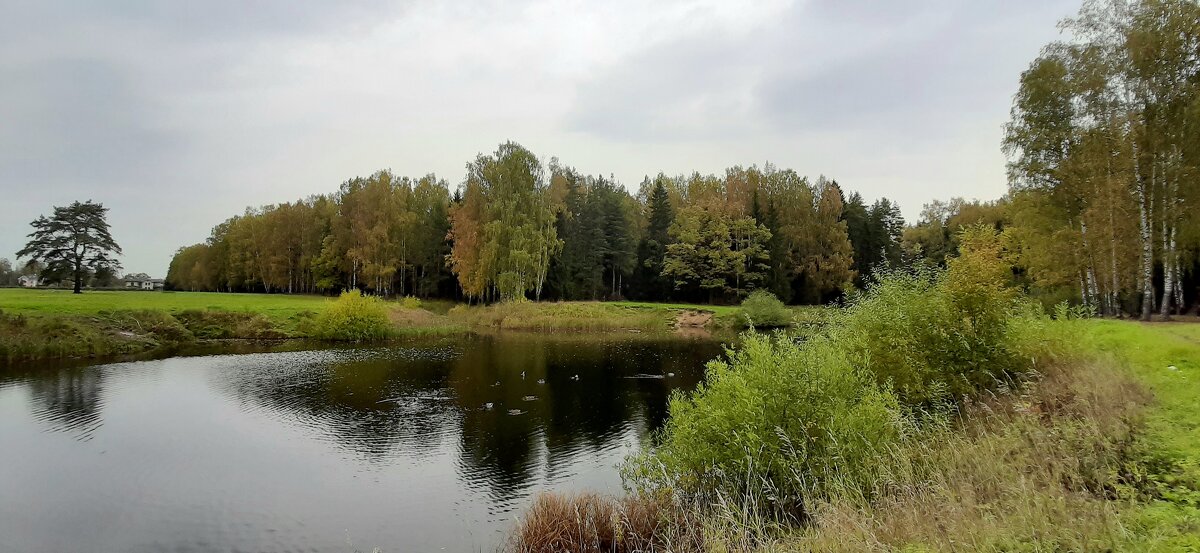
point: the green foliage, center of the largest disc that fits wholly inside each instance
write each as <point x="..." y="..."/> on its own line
<point x="937" y="335"/>
<point x="353" y="318"/>
<point x="715" y="253"/>
<point x="503" y="230"/>
<point x="874" y="233"/>
<point x="410" y="302"/>
<point x="761" y="309"/>
<point x="798" y="421"/>
<point x="793" y="420"/>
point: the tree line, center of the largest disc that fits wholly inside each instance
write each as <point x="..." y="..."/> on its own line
<point x="1104" y="154"/>
<point x="519" y="228"/>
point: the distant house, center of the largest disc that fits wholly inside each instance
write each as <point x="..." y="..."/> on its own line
<point x="29" y="281"/>
<point x="144" y="283"/>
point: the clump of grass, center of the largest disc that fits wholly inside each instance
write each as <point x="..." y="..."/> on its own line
<point x="588" y="522"/>
<point x="761" y="309"/>
<point x="938" y="405"/>
<point x="410" y="302"/>
<point x="353" y="318"/>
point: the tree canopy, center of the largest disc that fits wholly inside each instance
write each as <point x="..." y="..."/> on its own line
<point x="518" y="228"/>
<point x="73" y="244"/>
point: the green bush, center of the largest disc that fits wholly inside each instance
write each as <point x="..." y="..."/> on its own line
<point x="410" y="302"/>
<point x="353" y="318"/>
<point x="777" y="419"/>
<point x="761" y="309"/>
<point x="934" y="336"/>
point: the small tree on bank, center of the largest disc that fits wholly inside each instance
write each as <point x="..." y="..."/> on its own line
<point x="74" y="243"/>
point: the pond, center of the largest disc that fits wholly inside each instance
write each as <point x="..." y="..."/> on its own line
<point x="436" y="445"/>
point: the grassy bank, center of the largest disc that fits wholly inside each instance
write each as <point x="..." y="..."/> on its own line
<point x="56" y="323"/>
<point x="590" y="316"/>
<point x="282" y="310"/>
<point x="36" y="324"/>
<point x="1098" y="452"/>
<point x="941" y="411"/>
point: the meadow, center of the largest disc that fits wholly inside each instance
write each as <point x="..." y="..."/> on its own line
<point x="278" y="308"/>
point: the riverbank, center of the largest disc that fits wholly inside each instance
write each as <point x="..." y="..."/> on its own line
<point x="47" y="324"/>
<point x="1099" y="450"/>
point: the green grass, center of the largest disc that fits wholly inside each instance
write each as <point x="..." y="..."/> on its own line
<point x="1171" y="443"/>
<point x="281" y="309"/>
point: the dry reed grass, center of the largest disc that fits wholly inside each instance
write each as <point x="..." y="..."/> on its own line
<point x="593" y="523"/>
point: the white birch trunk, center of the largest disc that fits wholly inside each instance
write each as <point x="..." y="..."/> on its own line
<point x="1147" y="273"/>
<point x="1090" y="269"/>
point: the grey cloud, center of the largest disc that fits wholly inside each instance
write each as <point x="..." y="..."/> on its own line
<point x="823" y="65"/>
<point x="210" y="19"/>
<point x="689" y="88"/>
<point x="77" y="122"/>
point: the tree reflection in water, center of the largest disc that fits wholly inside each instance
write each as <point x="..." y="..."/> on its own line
<point x="414" y="401"/>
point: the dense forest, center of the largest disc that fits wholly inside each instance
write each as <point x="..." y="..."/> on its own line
<point x="1104" y="153"/>
<point x="518" y="227"/>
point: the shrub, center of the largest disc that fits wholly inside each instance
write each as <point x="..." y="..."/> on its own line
<point x="762" y="309"/>
<point x="353" y="317"/>
<point x="934" y="336"/>
<point x="410" y="302"/>
<point x="785" y="420"/>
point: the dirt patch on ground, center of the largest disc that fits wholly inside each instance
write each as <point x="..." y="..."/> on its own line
<point x="693" y="319"/>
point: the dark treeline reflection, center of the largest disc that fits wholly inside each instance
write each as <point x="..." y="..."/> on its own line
<point x="516" y="408"/>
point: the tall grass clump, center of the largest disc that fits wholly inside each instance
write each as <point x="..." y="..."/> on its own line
<point x="589" y="522"/>
<point x="761" y="309"/>
<point x="353" y="318"/>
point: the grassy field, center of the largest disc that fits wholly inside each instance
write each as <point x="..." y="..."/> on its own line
<point x="279" y="308"/>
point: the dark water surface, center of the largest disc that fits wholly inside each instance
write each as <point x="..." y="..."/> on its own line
<point x="328" y="450"/>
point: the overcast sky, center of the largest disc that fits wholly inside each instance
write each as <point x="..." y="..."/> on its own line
<point x="177" y="115"/>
